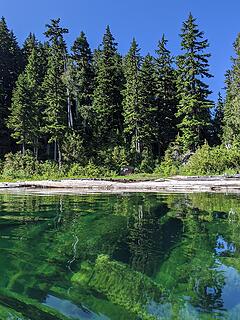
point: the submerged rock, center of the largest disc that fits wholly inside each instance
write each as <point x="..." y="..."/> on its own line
<point x="121" y="285"/>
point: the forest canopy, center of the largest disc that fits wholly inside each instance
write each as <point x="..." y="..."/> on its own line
<point x="95" y="108"/>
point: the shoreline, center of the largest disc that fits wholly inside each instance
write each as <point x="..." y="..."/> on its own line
<point x="177" y="184"/>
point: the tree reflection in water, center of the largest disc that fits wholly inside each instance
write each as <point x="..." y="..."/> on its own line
<point x="120" y="256"/>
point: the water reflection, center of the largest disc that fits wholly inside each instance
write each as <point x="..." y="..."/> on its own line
<point x="119" y="257"/>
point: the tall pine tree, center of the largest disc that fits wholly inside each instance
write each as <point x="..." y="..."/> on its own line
<point x="139" y="103"/>
<point x="231" y="120"/>
<point x="166" y="96"/>
<point x="147" y="112"/>
<point x="194" y="105"/>
<point x="81" y="82"/>
<point x="11" y="65"/>
<point x="30" y="43"/>
<point x="25" y="118"/>
<point x="56" y="115"/>
<point x="132" y="97"/>
<point x="107" y="99"/>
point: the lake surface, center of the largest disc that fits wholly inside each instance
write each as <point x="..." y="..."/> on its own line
<point x="119" y="257"/>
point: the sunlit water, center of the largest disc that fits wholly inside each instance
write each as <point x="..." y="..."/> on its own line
<point x="119" y="257"/>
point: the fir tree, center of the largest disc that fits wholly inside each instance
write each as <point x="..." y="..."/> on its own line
<point x="194" y="105"/>
<point x="81" y="81"/>
<point x="231" y="120"/>
<point x="166" y="96"/>
<point x="107" y="99"/>
<point x="30" y="43"/>
<point x="139" y="103"/>
<point x="11" y="65"/>
<point x="147" y="112"/>
<point x="55" y="90"/>
<point x="24" y="119"/>
<point x="131" y="97"/>
<point x="82" y="58"/>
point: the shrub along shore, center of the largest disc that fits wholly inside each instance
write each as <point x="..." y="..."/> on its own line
<point x="205" y="161"/>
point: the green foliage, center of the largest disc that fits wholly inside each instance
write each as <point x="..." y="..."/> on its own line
<point x="73" y="149"/>
<point x="55" y="113"/>
<point x="29" y="44"/>
<point x="131" y="95"/>
<point x="25" y="118"/>
<point x="19" y="166"/>
<point x="107" y="99"/>
<point x="218" y="120"/>
<point x="170" y="164"/>
<point x="194" y="106"/>
<point x="49" y="170"/>
<point x="146" y="113"/>
<point x="213" y="161"/>
<point x="231" y="119"/>
<point x="110" y="111"/>
<point x="166" y="96"/>
<point x="83" y="72"/>
<point x="11" y="65"/>
<point x="119" y="158"/>
<point x="147" y="164"/>
<point x="205" y="161"/>
<point x="89" y="171"/>
<point x="139" y="107"/>
<point x="25" y="166"/>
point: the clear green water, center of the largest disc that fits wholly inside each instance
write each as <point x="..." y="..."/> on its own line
<point x="119" y="257"/>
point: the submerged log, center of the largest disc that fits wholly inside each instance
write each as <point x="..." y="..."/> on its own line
<point x="29" y="308"/>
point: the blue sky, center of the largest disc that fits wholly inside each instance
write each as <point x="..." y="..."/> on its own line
<point x="145" y="20"/>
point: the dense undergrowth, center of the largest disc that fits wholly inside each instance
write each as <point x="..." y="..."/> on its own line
<point x="205" y="161"/>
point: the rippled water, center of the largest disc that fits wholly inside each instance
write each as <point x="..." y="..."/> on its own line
<point x="119" y="257"/>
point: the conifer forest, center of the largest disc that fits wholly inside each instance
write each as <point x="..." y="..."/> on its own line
<point x="119" y="172"/>
<point x="91" y="111"/>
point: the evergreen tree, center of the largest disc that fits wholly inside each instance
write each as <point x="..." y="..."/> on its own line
<point x="166" y="96"/>
<point x="30" y="43"/>
<point x="81" y="82"/>
<point x="231" y="120"/>
<point x="11" y="65"/>
<point x="82" y="58"/>
<point x="55" y="89"/>
<point x="131" y="97"/>
<point x="107" y="99"/>
<point x="139" y="103"/>
<point x="194" y="105"/>
<point x="24" y="119"/>
<point x="147" y="112"/>
<point x="218" y="120"/>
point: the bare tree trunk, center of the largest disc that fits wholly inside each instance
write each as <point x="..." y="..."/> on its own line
<point x="70" y="116"/>
<point x="69" y="109"/>
<point x="23" y="148"/>
<point x="59" y="156"/>
<point x="55" y="151"/>
<point x="36" y="148"/>
<point x="36" y="153"/>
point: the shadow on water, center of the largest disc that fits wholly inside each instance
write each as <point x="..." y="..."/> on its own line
<point x="138" y="256"/>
